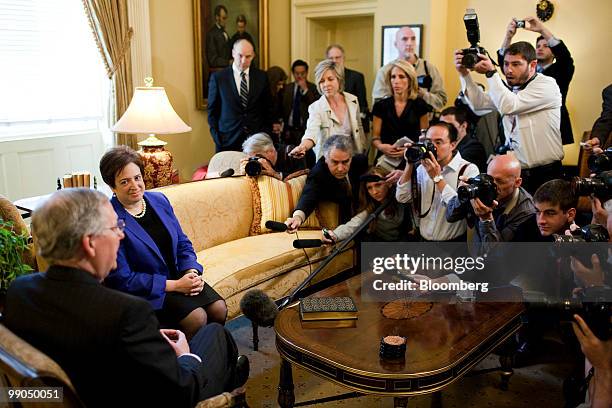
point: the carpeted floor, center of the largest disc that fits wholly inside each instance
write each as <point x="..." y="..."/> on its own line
<point x="533" y="386"/>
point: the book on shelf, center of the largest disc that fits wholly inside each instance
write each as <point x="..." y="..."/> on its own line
<point x="327" y="308"/>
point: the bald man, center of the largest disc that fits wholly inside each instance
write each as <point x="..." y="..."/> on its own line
<point x="513" y="206"/>
<point x="239" y="100"/>
<point x="432" y="90"/>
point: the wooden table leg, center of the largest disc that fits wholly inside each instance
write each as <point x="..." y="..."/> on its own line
<point x="255" y="336"/>
<point x="286" y="397"/>
<point x="400" y="402"/>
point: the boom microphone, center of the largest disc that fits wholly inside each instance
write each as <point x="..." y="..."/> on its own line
<point x="227" y="173"/>
<point x="276" y="226"/>
<point x="307" y="243"/>
<point x="258" y="307"/>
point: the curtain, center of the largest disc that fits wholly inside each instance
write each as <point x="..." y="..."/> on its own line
<point x="108" y="20"/>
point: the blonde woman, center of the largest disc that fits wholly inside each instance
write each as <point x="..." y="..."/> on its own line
<point x="335" y="113"/>
<point x="403" y="114"/>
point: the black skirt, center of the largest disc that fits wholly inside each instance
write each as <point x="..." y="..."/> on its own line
<point x="178" y="305"/>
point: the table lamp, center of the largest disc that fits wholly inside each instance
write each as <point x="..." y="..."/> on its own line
<point x="150" y="112"/>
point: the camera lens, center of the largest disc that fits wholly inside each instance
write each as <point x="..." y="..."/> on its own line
<point x="253" y="167"/>
<point x="469" y="60"/>
<point x="466" y="193"/>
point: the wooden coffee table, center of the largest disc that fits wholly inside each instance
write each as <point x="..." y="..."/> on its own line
<point x="443" y="343"/>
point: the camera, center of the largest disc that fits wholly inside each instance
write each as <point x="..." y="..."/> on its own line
<point x="588" y="233"/>
<point x="253" y="166"/>
<point x="593" y="304"/>
<point x="482" y="186"/>
<point x="419" y="151"/>
<point x="600" y="162"/>
<point x="520" y="23"/>
<point x="470" y="55"/>
<point x="424" y="81"/>
<point x="600" y="186"/>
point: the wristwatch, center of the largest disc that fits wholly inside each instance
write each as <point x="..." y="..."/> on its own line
<point x="489" y="74"/>
<point x="438" y="179"/>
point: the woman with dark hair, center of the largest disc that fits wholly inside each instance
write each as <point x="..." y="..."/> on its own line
<point x="393" y="222"/>
<point x="156" y="260"/>
<point x="276" y="79"/>
<point x="404" y="113"/>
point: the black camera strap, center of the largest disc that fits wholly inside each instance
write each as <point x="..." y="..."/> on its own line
<point x="433" y="193"/>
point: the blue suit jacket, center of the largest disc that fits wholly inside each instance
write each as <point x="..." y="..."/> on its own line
<point x="141" y="269"/>
<point x="227" y="118"/>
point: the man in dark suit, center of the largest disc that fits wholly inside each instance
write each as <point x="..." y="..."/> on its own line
<point x="470" y="148"/>
<point x="239" y="100"/>
<point x="109" y="342"/>
<point x="601" y="134"/>
<point x="217" y="41"/>
<point x="554" y="60"/>
<point x="334" y="178"/>
<point x="354" y="83"/>
<point x="296" y="98"/>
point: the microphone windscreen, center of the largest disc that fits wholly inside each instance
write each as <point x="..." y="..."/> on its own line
<point x="307" y="243"/>
<point x="370" y="178"/>
<point x="276" y="226"/>
<point x="227" y="173"/>
<point x="258" y="307"/>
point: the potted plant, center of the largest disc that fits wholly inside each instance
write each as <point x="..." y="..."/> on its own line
<point x="12" y="248"/>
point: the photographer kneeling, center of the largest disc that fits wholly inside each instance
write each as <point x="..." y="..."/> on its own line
<point x="498" y="220"/>
<point x="264" y="159"/>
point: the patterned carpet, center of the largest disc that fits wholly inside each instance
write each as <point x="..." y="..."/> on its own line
<point x="537" y="385"/>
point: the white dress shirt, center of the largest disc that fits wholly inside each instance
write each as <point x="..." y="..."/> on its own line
<point x="238" y="78"/>
<point x="434" y="227"/>
<point x="531" y="116"/>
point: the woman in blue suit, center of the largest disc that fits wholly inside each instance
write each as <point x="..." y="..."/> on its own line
<point x="156" y="260"/>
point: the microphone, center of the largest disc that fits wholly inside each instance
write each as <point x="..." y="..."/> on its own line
<point x="276" y="226"/>
<point x="307" y="243"/>
<point x="258" y="307"/>
<point x="227" y="173"/>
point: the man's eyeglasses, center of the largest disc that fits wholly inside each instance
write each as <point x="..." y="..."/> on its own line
<point x="119" y="227"/>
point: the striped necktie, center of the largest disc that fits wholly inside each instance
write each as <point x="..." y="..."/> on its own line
<point x="244" y="90"/>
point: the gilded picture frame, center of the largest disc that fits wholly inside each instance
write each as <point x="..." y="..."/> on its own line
<point x="211" y="53"/>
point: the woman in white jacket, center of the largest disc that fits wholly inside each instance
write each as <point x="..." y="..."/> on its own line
<point x="335" y="113"/>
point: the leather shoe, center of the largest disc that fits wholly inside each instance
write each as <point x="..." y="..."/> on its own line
<point x="242" y="371"/>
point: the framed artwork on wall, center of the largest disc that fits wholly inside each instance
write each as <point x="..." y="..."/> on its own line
<point x="388" y="50"/>
<point x="217" y="24"/>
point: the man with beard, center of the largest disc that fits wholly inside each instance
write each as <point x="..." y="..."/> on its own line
<point x="531" y="108"/>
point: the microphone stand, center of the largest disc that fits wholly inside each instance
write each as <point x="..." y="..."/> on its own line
<point x="337" y="249"/>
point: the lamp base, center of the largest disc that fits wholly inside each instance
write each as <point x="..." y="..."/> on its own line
<point x="157" y="163"/>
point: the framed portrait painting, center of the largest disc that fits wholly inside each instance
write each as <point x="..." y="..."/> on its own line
<point x="217" y="25"/>
<point x="389" y="52"/>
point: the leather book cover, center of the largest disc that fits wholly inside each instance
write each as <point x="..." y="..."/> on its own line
<point x="327" y="308"/>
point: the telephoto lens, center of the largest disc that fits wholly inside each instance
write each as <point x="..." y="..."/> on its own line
<point x="253" y="167"/>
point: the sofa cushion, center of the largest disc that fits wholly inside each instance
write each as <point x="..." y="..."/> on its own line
<point x="275" y="200"/>
<point x="245" y="263"/>
<point x="212" y="211"/>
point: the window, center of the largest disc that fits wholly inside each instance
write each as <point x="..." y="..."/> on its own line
<point x="51" y="76"/>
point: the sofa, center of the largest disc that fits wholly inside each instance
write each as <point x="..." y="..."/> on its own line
<point x="223" y="219"/>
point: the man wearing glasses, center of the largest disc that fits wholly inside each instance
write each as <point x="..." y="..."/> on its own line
<point x="109" y="342"/>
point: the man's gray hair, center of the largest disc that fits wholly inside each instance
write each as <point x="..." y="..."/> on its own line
<point x="340" y="142"/>
<point x="331" y="46"/>
<point x="61" y="222"/>
<point x="257" y="144"/>
<point x="325" y="65"/>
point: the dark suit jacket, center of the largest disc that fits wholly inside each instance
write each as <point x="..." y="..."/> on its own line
<point x="563" y="71"/>
<point x="602" y="127"/>
<point x="321" y="185"/>
<point x="354" y="83"/>
<point x="218" y="51"/>
<point x="229" y="123"/>
<point x="107" y="341"/>
<point x="305" y="101"/>
<point x="474" y="152"/>
<point x="141" y="269"/>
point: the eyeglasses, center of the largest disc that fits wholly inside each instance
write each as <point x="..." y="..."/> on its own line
<point x="117" y="229"/>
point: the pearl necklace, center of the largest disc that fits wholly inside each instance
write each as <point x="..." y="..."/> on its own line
<point x="143" y="212"/>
